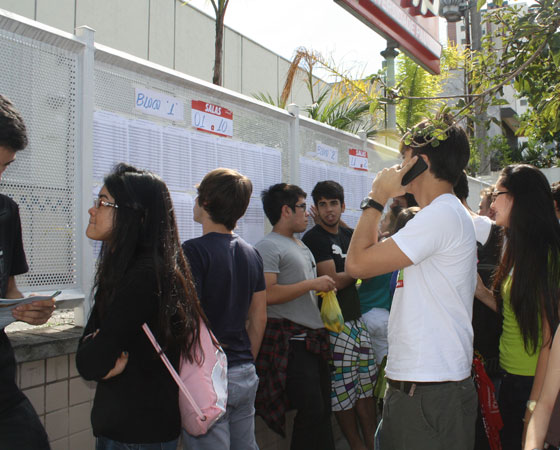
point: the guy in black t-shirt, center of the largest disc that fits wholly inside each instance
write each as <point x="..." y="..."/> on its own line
<point x="353" y="359"/>
<point x="229" y="278"/>
<point x="20" y="428"/>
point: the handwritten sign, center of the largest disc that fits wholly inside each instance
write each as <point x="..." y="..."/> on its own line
<point x="358" y="159"/>
<point x="212" y="118"/>
<point x="327" y="153"/>
<point x="158" y="104"/>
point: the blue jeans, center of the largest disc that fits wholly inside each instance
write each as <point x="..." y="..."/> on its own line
<point x="21" y="429"/>
<point x="236" y="428"/>
<point x="103" y="443"/>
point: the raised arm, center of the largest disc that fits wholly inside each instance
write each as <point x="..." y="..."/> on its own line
<point x="366" y="256"/>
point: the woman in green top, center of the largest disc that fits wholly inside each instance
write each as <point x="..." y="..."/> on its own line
<point x="525" y="291"/>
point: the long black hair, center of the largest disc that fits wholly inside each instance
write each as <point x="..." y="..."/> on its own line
<point x="532" y="250"/>
<point x="144" y="223"/>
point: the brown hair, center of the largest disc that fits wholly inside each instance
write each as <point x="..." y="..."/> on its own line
<point x="393" y="213"/>
<point x="404" y="216"/>
<point x="224" y="194"/>
<point x="13" y="133"/>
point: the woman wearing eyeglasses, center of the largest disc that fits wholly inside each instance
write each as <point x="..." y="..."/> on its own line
<point x="142" y="276"/>
<point x="525" y="291"/>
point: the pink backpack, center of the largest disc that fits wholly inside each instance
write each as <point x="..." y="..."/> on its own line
<point x="206" y="401"/>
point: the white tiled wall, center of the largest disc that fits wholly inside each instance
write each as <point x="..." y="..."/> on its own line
<point x="62" y="399"/>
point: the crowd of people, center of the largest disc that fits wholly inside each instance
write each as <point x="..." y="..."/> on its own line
<point x="423" y="285"/>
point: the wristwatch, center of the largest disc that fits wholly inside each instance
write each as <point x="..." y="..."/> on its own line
<point x="368" y="202"/>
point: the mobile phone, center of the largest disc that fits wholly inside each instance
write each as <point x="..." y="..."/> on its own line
<point x="418" y="167"/>
<point x="56" y="293"/>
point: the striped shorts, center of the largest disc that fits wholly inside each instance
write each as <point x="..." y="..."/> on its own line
<point x="355" y="371"/>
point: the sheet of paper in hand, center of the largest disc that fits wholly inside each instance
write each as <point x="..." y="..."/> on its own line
<point x="8" y="304"/>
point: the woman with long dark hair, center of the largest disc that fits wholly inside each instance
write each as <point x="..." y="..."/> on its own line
<point x="525" y="291"/>
<point x="142" y="276"/>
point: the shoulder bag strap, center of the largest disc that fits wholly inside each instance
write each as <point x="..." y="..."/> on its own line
<point x="172" y="371"/>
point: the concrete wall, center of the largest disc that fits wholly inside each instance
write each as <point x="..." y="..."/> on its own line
<point x="171" y="34"/>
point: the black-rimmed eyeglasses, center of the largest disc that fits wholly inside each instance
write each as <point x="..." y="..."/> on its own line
<point x="496" y="193"/>
<point x="303" y="206"/>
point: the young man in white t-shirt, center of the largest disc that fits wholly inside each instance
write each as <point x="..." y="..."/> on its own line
<point x="431" y="400"/>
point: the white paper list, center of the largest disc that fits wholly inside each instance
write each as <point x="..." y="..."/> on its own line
<point x="110" y="142"/>
<point x="144" y="145"/>
<point x="176" y="159"/>
<point x="272" y="166"/>
<point x="203" y="156"/>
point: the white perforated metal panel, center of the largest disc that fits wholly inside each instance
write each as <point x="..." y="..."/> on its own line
<point x="40" y="79"/>
<point x="179" y="153"/>
<point x="356" y="183"/>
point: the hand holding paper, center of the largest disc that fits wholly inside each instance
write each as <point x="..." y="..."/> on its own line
<point x="37" y="312"/>
<point x="34" y="310"/>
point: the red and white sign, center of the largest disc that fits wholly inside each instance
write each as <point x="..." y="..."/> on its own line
<point x="212" y="118"/>
<point x="358" y="159"/>
<point x="417" y="35"/>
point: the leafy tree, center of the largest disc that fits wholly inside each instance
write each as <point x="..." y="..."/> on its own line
<point x="346" y="104"/>
<point x="341" y="113"/>
<point x="415" y="82"/>
<point x="419" y="89"/>
<point x="524" y="51"/>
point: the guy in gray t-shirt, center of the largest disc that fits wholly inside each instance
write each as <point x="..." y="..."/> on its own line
<point x="291" y="262"/>
<point x="293" y="362"/>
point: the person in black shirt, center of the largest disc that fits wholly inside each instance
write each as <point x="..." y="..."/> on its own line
<point x="142" y="277"/>
<point x="229" y="278"/>
<point x="20" y="426"/>
<point x="353" y="359"/>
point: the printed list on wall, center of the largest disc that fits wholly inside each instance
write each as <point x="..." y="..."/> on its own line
<point x="182" y="157"/>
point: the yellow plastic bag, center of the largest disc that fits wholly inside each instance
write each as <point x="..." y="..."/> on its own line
<point x="330" y="312"/>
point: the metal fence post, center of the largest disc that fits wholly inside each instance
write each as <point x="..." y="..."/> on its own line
<point x="362" y="134"/>
<point x="84" y="175"/>
<point x="293" y="153"/>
